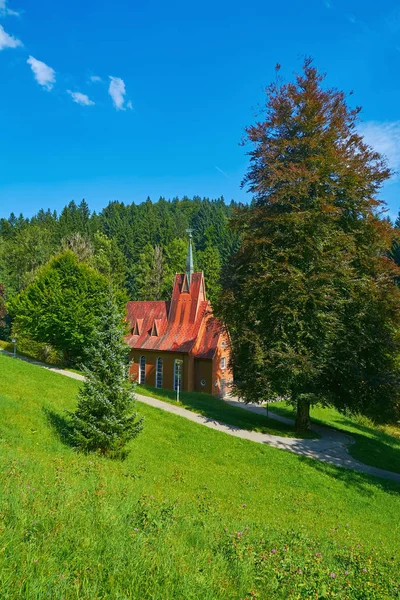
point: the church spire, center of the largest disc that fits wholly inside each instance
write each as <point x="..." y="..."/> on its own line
<point x="189" y="259"/>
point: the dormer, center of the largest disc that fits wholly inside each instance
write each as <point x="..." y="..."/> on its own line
<point x="156" y="327"/>
<point x="137" y="328"/>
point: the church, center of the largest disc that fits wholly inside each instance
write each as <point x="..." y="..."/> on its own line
<point x="179" y="342"/>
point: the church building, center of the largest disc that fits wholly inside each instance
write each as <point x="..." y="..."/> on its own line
<point x="180" y="342"/>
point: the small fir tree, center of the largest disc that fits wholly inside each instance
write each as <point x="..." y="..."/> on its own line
<point x="104" y="420"/>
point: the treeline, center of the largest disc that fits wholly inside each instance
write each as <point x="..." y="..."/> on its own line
<point x="139" y="247"/>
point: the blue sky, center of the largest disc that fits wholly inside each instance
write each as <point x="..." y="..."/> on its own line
<point x="124" y="99"/>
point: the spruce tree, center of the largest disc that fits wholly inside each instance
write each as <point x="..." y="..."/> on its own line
<point x="309" y="299"/>
<point x="105" y="420"/>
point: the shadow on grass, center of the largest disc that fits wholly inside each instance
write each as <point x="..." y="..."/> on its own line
<point x="372" y="446"/>
<point x="364" y="483"/>
<point x="215" y="409"/>
<point x="61" y="426"/>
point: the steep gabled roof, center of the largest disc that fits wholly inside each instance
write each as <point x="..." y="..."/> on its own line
<point x="183" y="325"/>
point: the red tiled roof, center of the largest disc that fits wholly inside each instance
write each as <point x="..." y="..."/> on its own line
<point x="185" y="324"/>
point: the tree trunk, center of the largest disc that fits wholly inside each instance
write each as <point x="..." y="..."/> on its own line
<point x="303" y="415"/>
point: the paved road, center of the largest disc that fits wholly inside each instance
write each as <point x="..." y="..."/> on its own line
<point x="331" y="448"/>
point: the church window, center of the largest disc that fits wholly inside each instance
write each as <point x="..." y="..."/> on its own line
<point x="142" y="370"/>
<point x="223" y="362"/>
<point x="159" y="373"/>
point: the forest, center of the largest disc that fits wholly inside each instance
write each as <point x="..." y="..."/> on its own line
<point x="139" y="247"/>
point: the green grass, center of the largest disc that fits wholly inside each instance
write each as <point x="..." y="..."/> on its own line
<point x="378" y="446"/>
<point x="214" y="408"/>
<point x="191" y="514"/>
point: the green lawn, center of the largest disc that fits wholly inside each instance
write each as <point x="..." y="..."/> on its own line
<point x="215" y="408"/>
<point x="191" y="514"/>
<point x="374" y="445"/>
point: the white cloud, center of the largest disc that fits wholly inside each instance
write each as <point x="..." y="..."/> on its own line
<point x="129" y="105"/>
<point x="44" y="75"/>
<point x="4" y="11"/>
<point x="117" y="92"/>
<point x="95" y="79"/>
<point x="384" y="138"/>
<point x="81" y="99"/>
<point x="8" y="41"/>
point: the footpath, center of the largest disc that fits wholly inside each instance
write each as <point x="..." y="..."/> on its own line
<point x="332" y="447"/>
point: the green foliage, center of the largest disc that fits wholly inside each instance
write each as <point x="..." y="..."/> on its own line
<point x="130" y="231"/>
<point x="209" y="261"/>
<point x="104" y="420"/>
<point x="149" y="274"/>
<point x="309" y="298"/>
<point x="3" y="310"/>
<point x="192" y="513"/>
<point x="61" y="305"/>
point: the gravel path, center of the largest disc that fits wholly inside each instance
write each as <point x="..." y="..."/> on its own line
<point x="331" y="448"/>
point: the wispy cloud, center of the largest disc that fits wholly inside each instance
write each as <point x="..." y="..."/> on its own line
<point x="223" y="172"/>
<point x="384" y="137"/>
<point x="8" y="41"/>
<point x="129" y="105"/>
<point x="4" y="11"/>
<point x="95" y="79"/>
<point x="81" y="99"/>
<point x="44" y="75"/>
<point x="328" y="3"/>
<point x="117" y="92"/>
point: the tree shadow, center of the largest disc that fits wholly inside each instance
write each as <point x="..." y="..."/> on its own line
<point x="236" y="417"/>
<point x="61" y="426"/>
<point x="63" y="429"/>
<point x="364" y="483"/>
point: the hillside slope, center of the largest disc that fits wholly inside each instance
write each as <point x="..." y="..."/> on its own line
<point x="192" y="513"/>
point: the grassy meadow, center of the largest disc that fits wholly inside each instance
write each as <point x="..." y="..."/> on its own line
<point x="192" y="513"/>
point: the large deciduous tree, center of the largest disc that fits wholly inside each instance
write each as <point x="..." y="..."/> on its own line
<point x="61" y="305"/>
<point x="309" y="299"/>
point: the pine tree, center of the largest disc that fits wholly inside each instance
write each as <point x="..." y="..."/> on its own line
<point x="309" y="299"/>
<point x="209" y="261"/>
<point x="104" y="420"/>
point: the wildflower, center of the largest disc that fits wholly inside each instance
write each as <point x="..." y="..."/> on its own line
<point x="346" y="572"/>
<point x="136" y="529"/>
<point x="300" y="572"/>
<point x="273" y="551"/>
<point x="319" y="554"/>
<point x="36" y="560"/>
<point x="244" y="505"/>
<point x="333" y="575"/>
<point x="240" y="533"/>
<point x="246" y="528"/>
<point x="364" y="570"/>
<point x="347" y="524"/>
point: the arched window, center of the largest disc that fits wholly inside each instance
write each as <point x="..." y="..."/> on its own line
<point x="142" y="370"/>
<point x="159" y="373"/>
